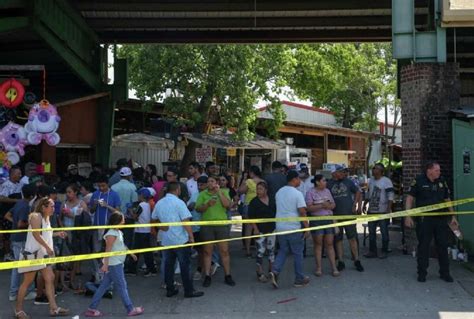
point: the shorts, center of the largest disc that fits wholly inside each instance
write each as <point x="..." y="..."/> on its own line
<point x="350" y="230"/>
<point x="197" y="236"/>
<point x="209" y="233"/>
<point x="324" y="231"/>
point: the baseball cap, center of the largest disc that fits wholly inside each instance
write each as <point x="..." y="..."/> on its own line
<point x="337" y="168"/>
<point x="152" y="191"/>
<point x="125" y="171"/>
<point x="145" y="192"/>
<point x="292" y="174"/>
<point x="71" y="167"/>
<point x="302" y="167"/>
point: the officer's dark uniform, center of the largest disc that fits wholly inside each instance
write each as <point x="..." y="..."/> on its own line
<point x="429" y="193"/>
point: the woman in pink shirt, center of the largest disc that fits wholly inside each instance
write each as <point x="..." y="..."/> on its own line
<point x="319" y="202"/>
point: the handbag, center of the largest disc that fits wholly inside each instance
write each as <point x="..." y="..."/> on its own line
<point x="26" y="255"/>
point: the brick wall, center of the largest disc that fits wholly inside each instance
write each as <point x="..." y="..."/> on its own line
<point x="428" y="91"/>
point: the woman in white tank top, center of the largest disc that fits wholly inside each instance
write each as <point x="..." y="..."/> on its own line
<point x="40" y="242"/>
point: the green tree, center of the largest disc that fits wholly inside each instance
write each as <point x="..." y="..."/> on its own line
<point x="354" y="81"/>
<point x="211" y="83"/>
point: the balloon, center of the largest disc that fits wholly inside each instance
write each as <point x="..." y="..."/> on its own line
<point x="43" y="122"/>
<point x="11" y="93"/>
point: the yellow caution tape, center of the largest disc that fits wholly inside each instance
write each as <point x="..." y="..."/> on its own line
<point x="367" y="218"/>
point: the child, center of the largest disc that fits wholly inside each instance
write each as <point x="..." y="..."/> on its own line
<point x="143" y="234"/>
<point x="113" y="269"/>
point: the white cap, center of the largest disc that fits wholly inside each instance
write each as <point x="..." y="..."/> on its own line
<point x="125" y="171"/>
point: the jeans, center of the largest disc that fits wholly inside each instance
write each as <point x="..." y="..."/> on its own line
<point x="97" y="243"/>
<point x="142" y="240"/>
<point x="184" y="258"/>
<point x="383" y="224"/>
<point x="115" y="275"/>
<point x="15" y="279"/>
<point x="436" y="227"/>
<point x="294" y="244"/>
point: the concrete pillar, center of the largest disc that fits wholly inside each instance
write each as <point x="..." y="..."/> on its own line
<point x="428" y="91"/>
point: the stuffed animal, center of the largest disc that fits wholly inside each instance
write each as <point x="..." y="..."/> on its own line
<point x="13" y="140"/>
<point x="43" y="122"/>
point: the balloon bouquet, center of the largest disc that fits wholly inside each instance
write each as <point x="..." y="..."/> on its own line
<point x="43" y="122"/>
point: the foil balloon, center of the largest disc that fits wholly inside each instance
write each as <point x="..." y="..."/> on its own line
<point x="43" y="122"/>
<point x="13" y="140"/>
<point x="11" y="93"/>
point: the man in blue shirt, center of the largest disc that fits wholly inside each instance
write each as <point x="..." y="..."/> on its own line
<point x="172" y="209"/>
<point x="127" y="192"/>
<point x="102" y="204"/>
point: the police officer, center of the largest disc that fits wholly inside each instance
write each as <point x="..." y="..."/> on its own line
<point x="429" y="189"/>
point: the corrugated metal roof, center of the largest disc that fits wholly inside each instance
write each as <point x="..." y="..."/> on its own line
<point x="135" y="139"/>
<point x="465" y="111"/>
<point x="227" y="141"/>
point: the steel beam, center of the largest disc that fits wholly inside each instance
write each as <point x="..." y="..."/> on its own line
<point x="70" y="37"/>
<point x="13" y="23"/>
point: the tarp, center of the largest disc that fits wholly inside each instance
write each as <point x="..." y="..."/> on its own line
<point x="226" y="140"/>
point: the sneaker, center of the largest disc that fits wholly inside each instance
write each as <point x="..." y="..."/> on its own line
<point x="93" y="313"/>
<point x="131" y="273"/>
<point x="136" y="312"/>
<point x="229" y="281"/>
<point x="12" y="298"/>
<point x="341" y="265"/>
<point x="172" y="293"/>
<point x="9" y="257"/>
<point x="370" y="254"/>
<point x="262" y="278"/>
<point x="447" y="278"/>
<point x="194" y="294"/>
<point x="358" y="266"/>
<point x="214" y="268"/>
<point x="41" y="300"/>
<point x="150" y="274"/>
<point x="30" y="296"/>
<point x="108" y="294"/>
<point x="197" y="276"/>
<point x="207" y="281"/>
<point x="273" y="279"/>
<point x="302" y="283"/>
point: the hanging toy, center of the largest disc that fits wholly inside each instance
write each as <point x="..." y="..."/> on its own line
<point x="11" y="93"/>
<point x="13" y="139"/>
<point x="43" y="122"/>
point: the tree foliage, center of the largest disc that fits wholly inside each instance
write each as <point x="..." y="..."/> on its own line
<point x="211" y="83"/>
<point x="353" y="80"/>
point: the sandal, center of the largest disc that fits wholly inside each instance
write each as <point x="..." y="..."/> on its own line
<point x="21" y="315"/>
<point x="318" y="273"/>
<point x="136" y="312"/>
<point x="59" y="312"/>
<point x="335" y="273"/>
<point x="93" y="313"/>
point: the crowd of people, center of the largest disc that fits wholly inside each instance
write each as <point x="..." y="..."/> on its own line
<point x="140" y="196"/>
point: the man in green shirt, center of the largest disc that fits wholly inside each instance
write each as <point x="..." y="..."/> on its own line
<point x="213" y="204"/>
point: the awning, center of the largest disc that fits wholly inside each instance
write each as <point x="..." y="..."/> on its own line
<point x="134" y="139"/>
<point x="227" y="141"/>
